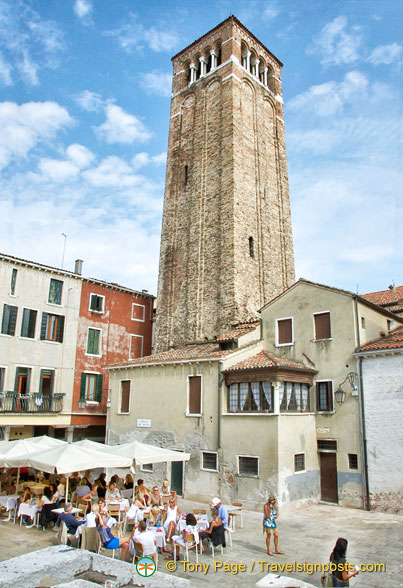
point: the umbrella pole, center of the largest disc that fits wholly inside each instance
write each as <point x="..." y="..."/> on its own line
<point x="67" y="490"/>
<point x="18" y="479"/>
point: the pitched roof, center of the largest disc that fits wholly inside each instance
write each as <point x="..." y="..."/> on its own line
<point x="267" y="360"/>
<point x="392" y="298"/>
<point x="239" y="330"/>
<point x="201" y="352"/>
<point x="394" y="340"/>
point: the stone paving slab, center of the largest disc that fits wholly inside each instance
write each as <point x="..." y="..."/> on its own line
<point x="306" y="535"/>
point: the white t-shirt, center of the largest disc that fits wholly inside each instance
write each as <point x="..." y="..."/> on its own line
<point x="148" y="542"/>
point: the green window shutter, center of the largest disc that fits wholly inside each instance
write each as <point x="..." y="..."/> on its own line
<point x="90" y="341"/>
<point x="44" y="325"/>
<point x="13" y="320"/>
<point x="82" y="388"/>
<point x="60" y="329"/>
<point x="32" y="323"/>
<point x="6" y="316"/>
<point x="98" y="391"/>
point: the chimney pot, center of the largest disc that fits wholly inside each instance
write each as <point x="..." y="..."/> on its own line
<point x="78" y="266"/>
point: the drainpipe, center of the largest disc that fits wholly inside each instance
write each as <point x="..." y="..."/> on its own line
<point x="363" y="438"/>
<point x="220" y="383"/>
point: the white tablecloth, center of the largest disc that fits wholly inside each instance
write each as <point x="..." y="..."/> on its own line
<point x="124" y="503"/>
<point x="8" y="502"/>
<point x="159" y="535"/>
<point x="135" y="513"/>
<point x="202" y="523"/>
<point x="28" y="510"/>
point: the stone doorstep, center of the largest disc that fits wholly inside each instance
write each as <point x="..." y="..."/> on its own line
<point x="62" y="563"/>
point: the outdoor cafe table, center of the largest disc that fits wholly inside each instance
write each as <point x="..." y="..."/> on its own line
<point x="201" y="520"/>
<point x="74" y="511"/>
<point x="9" y="503"/>
<point x="159" y="534"/>
<point x="124" y="503"/>
<point x="34" y="487"/>
<point x="28" y="510"/>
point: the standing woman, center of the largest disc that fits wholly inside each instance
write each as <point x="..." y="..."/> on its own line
<point x="270" y="525"/>
<point x="341" y="576"/>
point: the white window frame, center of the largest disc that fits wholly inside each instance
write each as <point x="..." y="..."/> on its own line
<point x="144" y="313"/>
<point x="314" y="328"/>
<point x="61" y="300"/>
<point x="100" y="343"/>
<point x="249" y="475"/>
<point x="285" y="318"/>
<point x="316" y="399"/>
<point x="357" y="469"/>
<point x="300" y="471"/>
<point x="103" y="303"/>
<point x="88" y="373"/>
<point x="195" y="414"/>
<point x="120" y="396"/>
<point x="149" y="471"/>
<point x="130" y="345"/>
<point x="201" y="461"/>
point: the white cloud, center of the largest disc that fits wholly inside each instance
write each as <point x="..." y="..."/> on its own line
<point x="112" y="172"/>
<point x="22" y="127"/>
<point x="335" y="44"/>
<point x="28" y="69"/>
<point x="5" y="72"/>
<point x="132" y="35"/>
<point x="79" y="155"/>
<point x="57" y="170"/>
<point x="121" y="127"/>
<point x="143" y="159"/>
<point x="271" y="11"/>
<point x="386" y="54"/>
<point x="83" y="9"/>
<point x="90" y="101"/>
<point x="157" y="82"/>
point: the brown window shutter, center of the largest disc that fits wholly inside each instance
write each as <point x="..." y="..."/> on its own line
<point x="322" y="325"/>
<point x="329" y="396"/>
<point x="285" y="331"/>
<point x="125" y="401"/>
<point x="195" y="395"/>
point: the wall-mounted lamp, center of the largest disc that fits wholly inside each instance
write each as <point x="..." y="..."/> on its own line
<point x="340" y="394"/>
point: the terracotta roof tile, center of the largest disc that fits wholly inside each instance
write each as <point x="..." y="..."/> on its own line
<point x="394" y="340"/>
<point x="386" y="297"/>
<point x="202" y="351"/>
<point x="239" y="330"/>
<point x="267" y="360"/>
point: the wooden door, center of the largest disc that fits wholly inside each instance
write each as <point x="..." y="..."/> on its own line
<point x="177" y="477"/>
<point x="328" y="477"/>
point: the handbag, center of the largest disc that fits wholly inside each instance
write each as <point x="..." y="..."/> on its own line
<point x="327" y="579"/>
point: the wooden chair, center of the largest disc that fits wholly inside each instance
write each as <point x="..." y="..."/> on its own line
<point x="102" y="547"/>
<point x="237" y="513"/>
<point x="165" y="498"/>
<point x="81" y="504"/>
<point x="90" y="539"/>
<point x="114" y="511"/>
<point x="199" y="511"/>
<point x="138" y="552"/>
<point x="189" y="544"/>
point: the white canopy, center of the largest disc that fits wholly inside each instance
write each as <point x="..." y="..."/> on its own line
<point x="24" y="448"/>
<point x="142" y="453"/>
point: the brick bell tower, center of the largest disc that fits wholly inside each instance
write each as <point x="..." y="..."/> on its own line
<point x="226" y="243"/>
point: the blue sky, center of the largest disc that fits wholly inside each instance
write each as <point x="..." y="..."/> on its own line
<point x="84" y="114"/>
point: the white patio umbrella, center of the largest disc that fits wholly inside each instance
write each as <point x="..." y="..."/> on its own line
<point x="142" y="453"/>
<point x="70" y="457"/>
<point x="22" y="449"/>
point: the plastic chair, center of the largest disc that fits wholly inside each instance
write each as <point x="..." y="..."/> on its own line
<point x="189" y="544"/>
<point x="229" y="531"/>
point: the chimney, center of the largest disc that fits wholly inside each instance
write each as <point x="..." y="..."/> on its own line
<point x="78" y="267"/>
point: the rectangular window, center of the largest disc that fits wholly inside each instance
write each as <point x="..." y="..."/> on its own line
<point x="248" y="466"/>
<point x="28" y="323"/>
<point x="46" y="382"/>
<point x="136" y="346"/>
<point x="284" y="331"/>
<point x="9" y="319"/>
<point x="362" y="322"/>
<point x="91" y="387"/>
<point x="13" y="281"/>
<point x="138" y="312"/>
<point x="147" y="467"/>
<point x="22" y="380"/>
<point x="55" y="291"/>
<point x="250" y="397"/>
<point x="294" y="397"/>
<point x="353" y="461"/>
<point x="209" y="461"/>
<point x="125" y="396"/>
<point x="324" y="396"/>
<point x="52" y="327"/>
<point x="322" y="325"/>
<point x="299" y="462"/>
<point x="94" y="342"/>
<point x="327" y="445"/>
<point x="194" y="395"/>
<point x="2" y="378"/>
<point x="97" y="303"/>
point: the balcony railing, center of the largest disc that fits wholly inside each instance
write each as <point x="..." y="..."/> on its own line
<point x="30" y="403"/>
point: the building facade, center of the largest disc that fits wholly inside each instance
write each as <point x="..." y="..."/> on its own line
<point x="58" y="332"/>
<point x="226" y="244"/>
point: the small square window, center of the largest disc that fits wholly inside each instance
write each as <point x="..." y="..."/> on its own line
<point x="322" y="325"/>
<point x="97" y="303"/>
<point x="55" y="292"/>
<point x="248" y="466"/>
<point x="147" y="467"/>
<point x="353" y="461"/>
<point x="209" y="461"/>
<point x="284" y="331"/>
<point x="138" y="312"/>
<point x="299" y="462"/>
<point x="91" y="387"/>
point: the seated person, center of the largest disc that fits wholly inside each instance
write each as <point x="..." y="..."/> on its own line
<point x="109" y="540"/>
<point x="183" y="538"/>
<point x="117" y="481"/>
<point x="69" y="519"/>
<point x="147" y="540"/>
<point x="215" y="523"/>
<point x="91" y="496"/>
<point x="154" y="517"/>
<point x="83" y="489"/>
<point x="172" y="515"/>
<point x="155" y="497"/>
<point x="142" y="489"/>
<point x="112" y="492"/>
<point x="165" y="489"/>
<point x="129" y="482"/>
<point x="46" y="498"/>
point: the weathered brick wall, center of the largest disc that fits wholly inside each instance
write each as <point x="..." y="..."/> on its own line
<point x="383" y="402"/>
<point x="227" y="128"/>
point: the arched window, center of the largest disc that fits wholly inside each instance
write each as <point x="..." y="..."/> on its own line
<point x="251" y="247"/>
<point x="244" y="55"/>
<point x="218" y="50"/>
<point x="252" y="62"/>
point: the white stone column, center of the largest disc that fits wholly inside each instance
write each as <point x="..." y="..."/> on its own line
<point x="203" y="67"/>
<point x="69" y="434"/>
<point x="213" y="59"/>
<point x="256" y="67"/>
<point x="248" y="60"/>
<point x="6" y="436"/>
<point x="193" y="70"/>
<point x="265" y="76"/>
<point x="276" y="397"/>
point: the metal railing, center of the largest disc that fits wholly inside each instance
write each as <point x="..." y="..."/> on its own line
<point x="30" y="403"/>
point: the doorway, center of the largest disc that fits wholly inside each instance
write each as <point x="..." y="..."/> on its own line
<point x="328" y="477"/>
<point x="177" y="477"/>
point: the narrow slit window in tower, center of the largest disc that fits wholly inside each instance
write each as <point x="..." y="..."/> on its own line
<point x="251" y="247"/>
